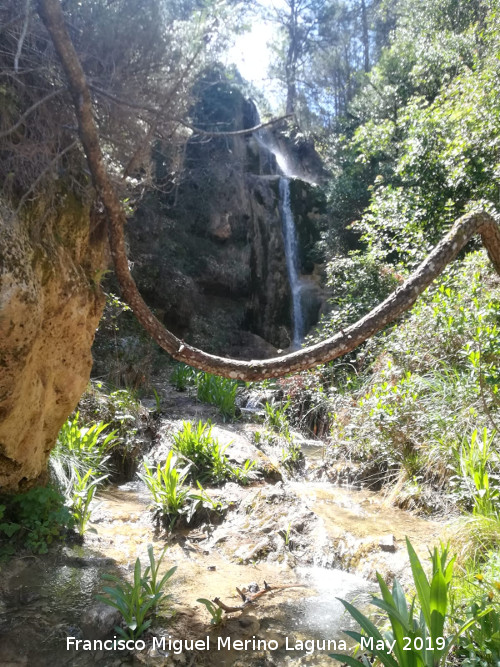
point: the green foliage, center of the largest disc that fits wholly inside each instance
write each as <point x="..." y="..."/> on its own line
<point x="433" y="383"/>
<point x="357" y="283"/>
<point x="425" y="629"/>
<point x="32" y="520"/>
<point x="166" y="485"/>
<point x="208" y="461"/>
<point x="202" y="450"/>
<point x="476" y="459"/>
<point x="278" y="433"/>
<point x="81" y="496"/>
<point x="243" y="475"/>
<point x="216" y="614"/>
<point x="218" y="391"/>
<point x="476" y="596"/>
<point x="83" y="447"/>
<point x="172" y="498"/>
<point x="276" y="418"/>
<point x="182" y="376"/>
<point x="79" y="465"/>
<point x="136" y="601"/>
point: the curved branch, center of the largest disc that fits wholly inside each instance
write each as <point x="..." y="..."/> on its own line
<point x="339" y="344"/>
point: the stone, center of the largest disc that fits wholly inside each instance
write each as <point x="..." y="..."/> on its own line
<point x="99" y="620"/>
<point x="388" y="543"/>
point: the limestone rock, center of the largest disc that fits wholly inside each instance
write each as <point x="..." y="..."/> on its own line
<point x="50" y="305"/>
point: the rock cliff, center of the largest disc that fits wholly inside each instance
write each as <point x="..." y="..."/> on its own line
<point x="50" y="305"/>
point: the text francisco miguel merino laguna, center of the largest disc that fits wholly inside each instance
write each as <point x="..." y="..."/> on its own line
<point x="177" y="646"/>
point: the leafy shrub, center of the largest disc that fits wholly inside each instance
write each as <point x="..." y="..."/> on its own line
<point x="135" y="601"/>
<point x="428" y="390"/>
<point x="357" y="283"/>
<point x="218" y="391"/>
<point x="202" y="450"/>
<point x="33" y="520"/>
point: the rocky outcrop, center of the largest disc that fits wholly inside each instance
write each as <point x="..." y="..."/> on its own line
<point x="208" y="250"/>
<point x="50" y="305"/>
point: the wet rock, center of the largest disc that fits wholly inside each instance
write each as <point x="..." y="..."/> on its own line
<point x="72" y="560"/>
<point x="252" y="551"/>
<point x="99" y="620"/>
<point x="249" y="624"/>
<point x="388" y="543"/>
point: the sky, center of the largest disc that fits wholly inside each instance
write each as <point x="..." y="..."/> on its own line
<point x="251" y="53"/>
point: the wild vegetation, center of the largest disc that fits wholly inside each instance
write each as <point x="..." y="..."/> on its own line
<point x="401" y="101"/>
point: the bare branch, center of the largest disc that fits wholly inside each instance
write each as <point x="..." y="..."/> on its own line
<point x="37" y="181"/>
<point x="22" y="36"/>
<point x="33" y="107"/>
<point x="197" y="130"/>
<point x="476" y="222"/>
<point x="235" y="133"/>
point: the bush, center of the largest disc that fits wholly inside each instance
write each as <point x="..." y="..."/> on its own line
<point x="32" y="520"/>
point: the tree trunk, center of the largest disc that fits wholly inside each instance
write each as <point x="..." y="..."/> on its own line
<point x="366" y="38"/>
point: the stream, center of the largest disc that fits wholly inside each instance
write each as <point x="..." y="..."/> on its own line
<point x="317" y="540"/>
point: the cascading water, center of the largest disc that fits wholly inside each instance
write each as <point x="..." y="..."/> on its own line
<point x="281" y="164"/>
<point x="292" y="261"/>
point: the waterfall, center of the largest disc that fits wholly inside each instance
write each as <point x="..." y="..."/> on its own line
<point x="292" y="262"/>
<point x="270" y="147"/>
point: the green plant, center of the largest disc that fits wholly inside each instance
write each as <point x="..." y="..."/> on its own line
<point x="33" y="520"/>
<point x="217" y="391"/>
<point x="157" y="401"/>
<point x="151" y="582"/>
<point x="136" y="600"/>
<point x="82" y="493"/>
<point x="213" y="609"/>
<point x="243" y="475"/>
<point x="182" y="376"/>
<point x="476" y="457"/>
<point x="291" y="454"/>
<point x="83" y="447"/>
<point x="276" y="418"/>
<point x="202" y="450"/>
<point x="166" y="485"/>
<point x="417" y="638"/>
<point x="476" y="595"/>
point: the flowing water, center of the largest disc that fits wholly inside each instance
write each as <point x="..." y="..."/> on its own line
<point x="46" y="598"/>
<point x="292" y="262"/>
